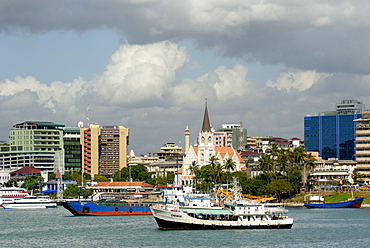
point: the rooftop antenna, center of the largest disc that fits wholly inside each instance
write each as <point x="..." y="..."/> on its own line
<point x="89" y="117"/>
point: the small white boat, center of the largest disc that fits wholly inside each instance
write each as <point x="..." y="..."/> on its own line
<point x="30" y="202"/>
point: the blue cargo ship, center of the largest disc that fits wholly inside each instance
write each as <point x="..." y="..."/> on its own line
<point x="318" y="202"/>
<point x="107" y="208"/>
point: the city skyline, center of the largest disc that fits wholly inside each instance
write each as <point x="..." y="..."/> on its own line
<point x="149" y="65"/>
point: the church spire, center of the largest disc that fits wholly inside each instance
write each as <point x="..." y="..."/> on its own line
<point x="206" y="127"/>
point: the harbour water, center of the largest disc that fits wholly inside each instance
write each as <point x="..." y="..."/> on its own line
<point x="58" y="228"/>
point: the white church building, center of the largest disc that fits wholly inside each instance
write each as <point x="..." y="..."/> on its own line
<point x="204" y="150"/>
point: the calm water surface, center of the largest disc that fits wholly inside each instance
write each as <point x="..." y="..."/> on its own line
<point x="58" y="228"/>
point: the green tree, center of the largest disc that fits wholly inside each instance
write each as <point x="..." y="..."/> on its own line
<point x="358" y="177"/>
<point x="77" y="176"/>
<point x="279" y="187"/>
<point x="137" y="173"/>
<point x="295" y="177"/>
<point x="255" y="186"/>
<point x="168" y="179"/>
<point x="206" y="178"/>
<point x="33" y="183"/>
<point x="73" y="191"/>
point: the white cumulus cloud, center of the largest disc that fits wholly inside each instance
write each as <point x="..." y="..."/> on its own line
<point x="300" y="80"/>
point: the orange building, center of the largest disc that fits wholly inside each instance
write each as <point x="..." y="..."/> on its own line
<point x="104" y="149"/>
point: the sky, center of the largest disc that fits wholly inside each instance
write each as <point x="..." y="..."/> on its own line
<point x="149" y="65"/>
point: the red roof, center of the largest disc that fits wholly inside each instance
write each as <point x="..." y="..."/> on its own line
<point x="277" y="138"/>
<point x="122" y="184"/>
<point x="27" y="170"/>
<point x="168" y="187"/>
<point x="249" y="153"/>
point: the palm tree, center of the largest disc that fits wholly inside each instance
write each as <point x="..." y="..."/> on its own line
<point x="301" y="159"/>
<point x="309" y="163"/>
<point x="229" y="164"/>
<point x="275" y="150"/>
<point x="282" y="160"/>
<point x="267" y="163"/>
<point x="214" y="166"/>
<point x="212" y="162"/>
<point x="194" y="170"/>
<point x="298" y="155"/>
<point x="219" y="175"/>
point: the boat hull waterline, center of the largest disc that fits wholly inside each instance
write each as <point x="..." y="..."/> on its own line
<point x="29" y="206"/>
<point x="172" y="225"/>
<point x="94" y="209"/>
<point x="356" y="203"/>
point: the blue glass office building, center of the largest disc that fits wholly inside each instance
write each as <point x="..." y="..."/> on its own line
<point x="332" y="133"/>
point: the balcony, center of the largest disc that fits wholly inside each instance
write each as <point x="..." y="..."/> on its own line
<point x="362" y="139"/>
<point x="363" y="153"/>
<point x="362" y="146"/>
<point x="362" y="132"/>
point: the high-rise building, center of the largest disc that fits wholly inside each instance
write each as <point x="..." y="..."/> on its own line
<point x="232" y="135"/>
<point x="36" y="136"/>
<point x="72" y="149"/>
<point x="170" y="151"/>
<point x="35" y="144"/>
<point x="104" y="149"/>
<point x="332" y="133"/>
<point x="363" y="146"/>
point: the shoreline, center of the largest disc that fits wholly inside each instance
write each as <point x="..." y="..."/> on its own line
<point x="299" y="204"/>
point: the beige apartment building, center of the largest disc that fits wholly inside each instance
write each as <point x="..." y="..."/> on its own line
<point x="362" y="146"/>
<point x="104" y="149"/>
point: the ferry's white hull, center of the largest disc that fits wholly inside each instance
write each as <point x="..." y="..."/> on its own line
<point x="29" y="206"/>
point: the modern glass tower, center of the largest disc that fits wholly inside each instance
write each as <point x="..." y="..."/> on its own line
<point x="332" y="133"/>
<point x="72" y="150"/>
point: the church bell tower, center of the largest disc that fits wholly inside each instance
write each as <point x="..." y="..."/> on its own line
<point x="206" y="146"/>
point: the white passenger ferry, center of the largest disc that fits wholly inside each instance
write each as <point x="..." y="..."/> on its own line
<point x="30" y="202"/>
<point x="232" y="212"/>
<point x="8" y="194"/>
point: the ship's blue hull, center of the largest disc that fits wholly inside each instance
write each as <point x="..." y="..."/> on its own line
<point x="356" y="203"/>
<point x="106" y="208"/>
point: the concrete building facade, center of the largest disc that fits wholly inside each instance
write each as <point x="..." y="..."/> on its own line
<point x="327" y="171"/>
<point x="231" y="135"/>
<point x="36" y="136"/>
<point x="36" y="144"/>
<point x="104" y="149"/>
<point x="362" y="147"/>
